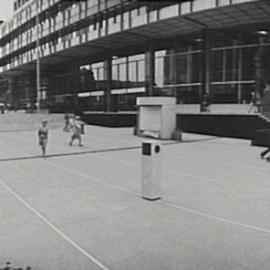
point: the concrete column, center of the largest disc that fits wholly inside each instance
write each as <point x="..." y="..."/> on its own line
<point x="173" y="73"/>
<point x="13" y="94"/>
<point x="108" y="78"/>
<point x="73" y="87"/>
<point x="9" y="92"/>
<point x="261" y="66"/>
<point x="206" y="60"/>
<point x="150" y="72"/>
<point x="266" y="100"/>
<point x="205" y="68"/>
<point x="240" y="67"/>
<point x="27" y="95"/>
<point x="173" y="67"/>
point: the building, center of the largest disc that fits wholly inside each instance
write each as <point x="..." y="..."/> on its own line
<point x="101" y="54"/>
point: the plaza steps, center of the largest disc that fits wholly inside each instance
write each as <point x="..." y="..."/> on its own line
<point x="17" y="121"/>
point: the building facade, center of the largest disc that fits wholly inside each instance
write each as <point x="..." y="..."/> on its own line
<point x="99" y="55"/>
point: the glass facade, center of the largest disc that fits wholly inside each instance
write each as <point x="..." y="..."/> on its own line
<point x="176" y="70"/>
<point x="232" y="73"/>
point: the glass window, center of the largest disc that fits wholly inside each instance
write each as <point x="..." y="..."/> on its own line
<point x="102" y="4"/>
<point x="232" y="56"/>
<point x="141" y="71"/>
<point x="159" y="71"/>
<point x="248" y="69"/>
<point x="182" y="68"/>
<point x="115" y="72"/>
<point x="136" y="57"/>
<point x="200" y="5"/>
<point x="195" y="67"/>
<point x="186" y="94"/>
<point x="240" y="1"/>
<point x="223" y="2"/>
<point x="126" y="21"/>
<point x="101" y="73"/>
<point x="224" y="93"/>
<point x="132" y="71"/>
<point x="217" y="65"/>
<point x="153" y="16"/>
<point x="168" y="12"/>
<point x="185" y="7"/>
<point x="246" y="92"/>
<point x="123" y="72"/>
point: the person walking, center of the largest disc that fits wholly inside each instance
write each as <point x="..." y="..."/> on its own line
<point x="66" y="119"/>
<point x="264" y="153"/>
<point x="43" y="136"/>
<point x="258" y="102"/>
<point x="77" y="131"/>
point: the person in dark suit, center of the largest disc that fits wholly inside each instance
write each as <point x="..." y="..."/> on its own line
<point x="264" y="153"/>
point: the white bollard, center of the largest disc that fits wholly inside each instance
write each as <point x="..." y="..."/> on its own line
<point x="151" y="170"/>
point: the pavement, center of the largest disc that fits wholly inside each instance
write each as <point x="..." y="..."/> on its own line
<point x="81" y="207"/>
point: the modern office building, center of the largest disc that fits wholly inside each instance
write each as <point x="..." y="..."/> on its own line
<point x="101" y="54"/>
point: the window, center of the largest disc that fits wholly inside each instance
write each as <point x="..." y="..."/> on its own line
<point x="217" y="65"/>
<point x="248" y="69"/>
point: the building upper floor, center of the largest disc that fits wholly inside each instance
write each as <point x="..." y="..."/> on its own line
<point x="18" y="3"/>
<point x="63" y="25"/>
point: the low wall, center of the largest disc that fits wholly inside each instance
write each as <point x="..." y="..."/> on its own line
<point x="261" y="137"/>
<point x="111" y="119"/>
<point x="214" y="108"/>
<point x="225" y="125"/>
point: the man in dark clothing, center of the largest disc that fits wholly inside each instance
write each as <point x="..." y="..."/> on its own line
<point x="264" y="153"/>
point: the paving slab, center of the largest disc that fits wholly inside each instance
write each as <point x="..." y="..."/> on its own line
<point x="85" y="211"/>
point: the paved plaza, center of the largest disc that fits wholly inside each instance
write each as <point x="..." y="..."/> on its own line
<point x="81" y="207"/>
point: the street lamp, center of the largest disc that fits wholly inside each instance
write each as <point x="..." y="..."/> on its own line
<point x="38" y="60"/>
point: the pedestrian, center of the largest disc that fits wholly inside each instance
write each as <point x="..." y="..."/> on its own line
<point x="77" y="131"/>
<point x="71" y="122"/>
<point x="264" y="153"/>
<point x="252" y="103"/>
<point x="66" y="119"/>
<point x="7" y="266"/>
<point x="43" y="136"/>
<point x="258" y="102"/>
<point x="205" y="104"/>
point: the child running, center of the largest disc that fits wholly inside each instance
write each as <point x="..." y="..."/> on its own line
<point x="77" y="131"/>
<point x="43" y="136"/>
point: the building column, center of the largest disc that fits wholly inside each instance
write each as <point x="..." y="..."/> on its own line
<point x="108" y="78"/>
<point x="173" y="74"/>
<point x="27" y="92"/>
<point x="12" y="93"/>
<point x="9" y="92"/>
<point x="205" y="67"/>
<point x="260" y="66"/>
<point x="240" y="67"/>
<point x="150" y="72"/>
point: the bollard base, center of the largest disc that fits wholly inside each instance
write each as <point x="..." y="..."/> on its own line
<point x="151" y="199"/>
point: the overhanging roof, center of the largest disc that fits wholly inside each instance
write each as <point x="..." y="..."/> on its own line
<point x="247" y="17"/>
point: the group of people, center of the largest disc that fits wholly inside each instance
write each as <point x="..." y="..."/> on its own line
<point x="8" y="266"/>
<point x="72" y="123"/>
